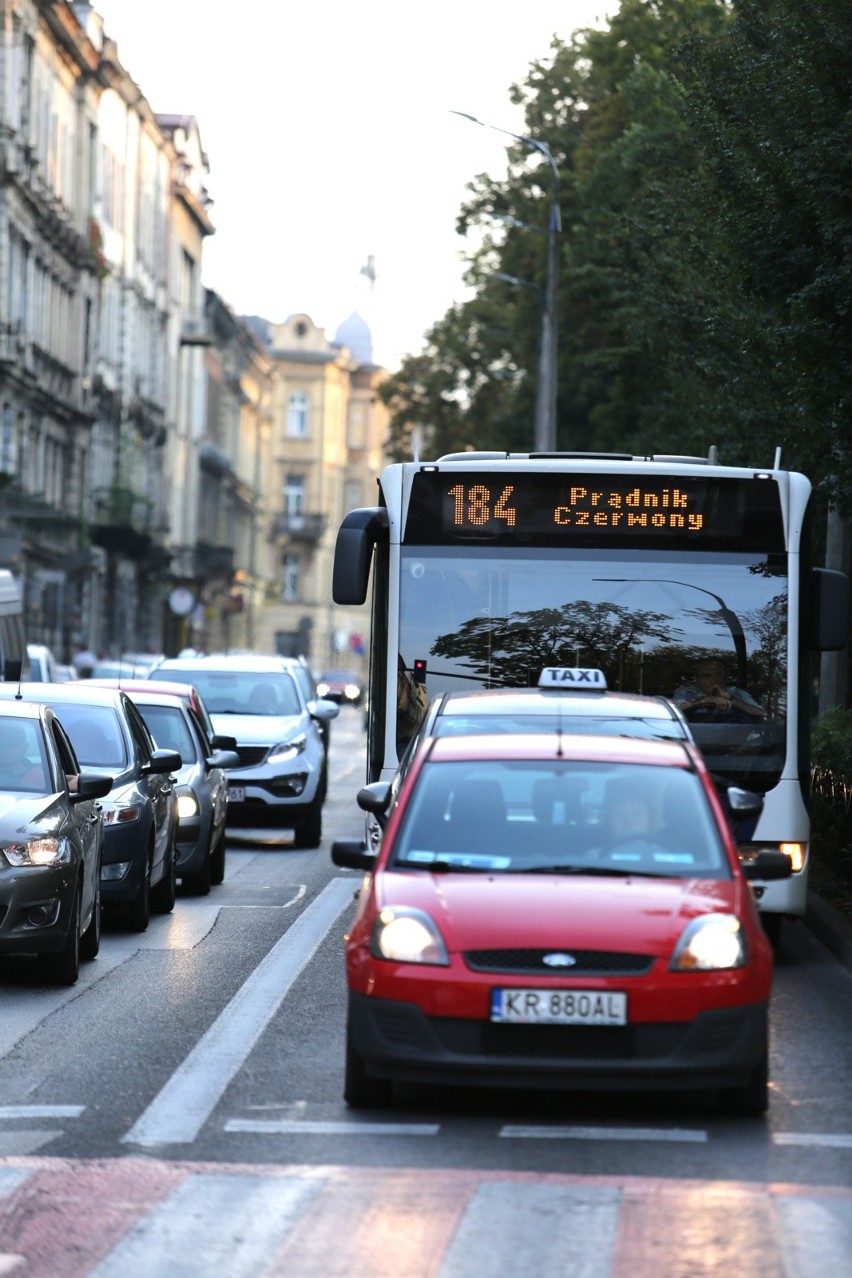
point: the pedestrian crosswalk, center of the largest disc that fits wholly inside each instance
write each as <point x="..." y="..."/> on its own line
<point x="131" y="1218"/>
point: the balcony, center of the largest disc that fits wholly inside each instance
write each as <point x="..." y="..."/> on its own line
<point x="122" y="521"/>
<point x="298" y="528"/>
<point x="194" y="330"/>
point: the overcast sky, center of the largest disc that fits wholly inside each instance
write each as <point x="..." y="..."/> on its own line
<point x="329" y="134"/>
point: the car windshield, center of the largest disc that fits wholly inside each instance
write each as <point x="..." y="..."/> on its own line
<point x="170" y="730"/>
<point x="565" y="817"/>
<point x="23" y="765"/>
<point x="451" y="725"/>
<point x="258" y="692"/>
<point x="95" y="734"/>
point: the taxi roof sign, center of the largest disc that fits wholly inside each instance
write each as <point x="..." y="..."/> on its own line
<point x="573" y="678"/>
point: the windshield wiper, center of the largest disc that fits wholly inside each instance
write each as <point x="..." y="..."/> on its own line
<point x="601" y="871"/>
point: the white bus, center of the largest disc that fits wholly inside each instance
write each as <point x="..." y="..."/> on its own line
<point x="12" y="644"/>
<point x="488" y="566"/>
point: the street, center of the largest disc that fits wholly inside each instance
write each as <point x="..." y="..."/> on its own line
<point x="179" y="1112"/>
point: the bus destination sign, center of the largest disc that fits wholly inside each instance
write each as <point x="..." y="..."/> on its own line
<point x="555" y="508"/>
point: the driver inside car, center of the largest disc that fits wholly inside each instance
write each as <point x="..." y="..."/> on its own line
<point x="710" y="697"/>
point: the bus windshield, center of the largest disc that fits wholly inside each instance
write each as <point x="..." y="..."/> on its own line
<point x="705" y="628"/>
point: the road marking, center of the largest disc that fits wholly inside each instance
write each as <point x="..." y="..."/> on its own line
<point x="288" y="1126"/>
<point x="41" y="1111"/>
<point x="186" y="1101"/>
<point x="603" y="1133"/>
<point x="11" y="1178"/>
<point x="815" y="1234"/>
<point x="823" y="1140"/>
<point x="211" y="1224"/>
<point x="546" y="1230"/>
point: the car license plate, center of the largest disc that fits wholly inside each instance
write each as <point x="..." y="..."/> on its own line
<point x="559" y="1007"/>
<point x="236" y="793"/>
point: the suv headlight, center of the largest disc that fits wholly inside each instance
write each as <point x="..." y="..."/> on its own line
<point x="710" y="943"/>
<point x="406" y="935"/>
<point x="38" y="852"/>
<point x="288" y="749"/>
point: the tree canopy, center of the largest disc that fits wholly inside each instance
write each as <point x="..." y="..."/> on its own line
<point x="704" y="152"/>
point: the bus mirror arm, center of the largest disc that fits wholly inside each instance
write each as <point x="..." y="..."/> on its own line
<point x="353" y="550"/>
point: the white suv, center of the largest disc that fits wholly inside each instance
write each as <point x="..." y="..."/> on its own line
<point x="281" y="781"/>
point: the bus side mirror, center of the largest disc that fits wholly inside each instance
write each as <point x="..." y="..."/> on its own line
<point x="353" y="551"/>
<point x="829" y="610"/>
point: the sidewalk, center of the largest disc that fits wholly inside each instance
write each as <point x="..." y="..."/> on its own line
<point x="831" y="927"/>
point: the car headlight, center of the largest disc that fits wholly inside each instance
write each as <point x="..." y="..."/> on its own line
<point x="352" y="691"/>
<point x="187" y="805"/>
<point x="710" y="943"/>
<point x="38" y="852"/>
<point x="288" y="749"/>
<point x="407" y="935"/>
<point x="322" y="689"/>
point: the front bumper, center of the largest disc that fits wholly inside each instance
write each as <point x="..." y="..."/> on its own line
<point x="35" y="908"/>
<point x="398" y="1041"/>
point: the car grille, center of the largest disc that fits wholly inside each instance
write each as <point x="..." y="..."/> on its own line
<point x="586" y="962"/>
<point x="251" y="756"/>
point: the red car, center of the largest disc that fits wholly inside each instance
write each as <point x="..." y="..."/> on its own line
<point x="557" y="912"/>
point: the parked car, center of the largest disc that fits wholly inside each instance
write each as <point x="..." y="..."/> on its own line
<point x="558" y="911"/>
<point x="51" y="844"/>
<point x="41" y="666"/>
<point x="341" y="685"/>
<point x="109" y="736"/>
<point x="202" y="787"/>
<point x="282" y="779"/>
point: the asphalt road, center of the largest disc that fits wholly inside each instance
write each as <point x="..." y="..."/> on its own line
<point x="179" y="1111"/>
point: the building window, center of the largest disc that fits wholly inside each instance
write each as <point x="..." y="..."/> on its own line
<point x="297" y="415"/>
<point x="290" y="579"/>
<point x="294" y="496"/>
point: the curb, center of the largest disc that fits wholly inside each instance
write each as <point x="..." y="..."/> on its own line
<point x="831" y="927"/>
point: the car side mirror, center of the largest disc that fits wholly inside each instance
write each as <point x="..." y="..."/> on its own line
<point x="163" y="761"/>
<point x="219" y="741"/>
<point x="351" y="854"/>
<point x="375" y="798"/>
<point x="744" y="803"/>
<point x="767" y="864"/>
<point x="91" y="785"/>
<point x="223" y="759"/>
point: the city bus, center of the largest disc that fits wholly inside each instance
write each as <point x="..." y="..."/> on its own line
<point x="488" y="567"/>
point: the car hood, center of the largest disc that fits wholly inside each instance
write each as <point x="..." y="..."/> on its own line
<point x="259" y="729"/>
<point x="532" y="911"/>
<point x="22" y="814"/>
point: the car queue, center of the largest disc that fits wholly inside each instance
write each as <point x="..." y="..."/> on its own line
<point x="113" y="789"/>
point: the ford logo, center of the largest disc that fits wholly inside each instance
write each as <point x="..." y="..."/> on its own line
<point x="559" y="960"/>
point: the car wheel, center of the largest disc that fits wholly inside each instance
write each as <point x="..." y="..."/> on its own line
<point x="309" y="834"/>
<point x="199" y="884"/>
<point x="217" y="860"/>
<point x="752" y="1099"/>
<point x="361" y="1090"/>
<point x="139" y="910"/>
<point x="772" y="927"/>
<point x="64" y="968"/>
<point x="90" y="941"/>
<point x="164" y="895"/>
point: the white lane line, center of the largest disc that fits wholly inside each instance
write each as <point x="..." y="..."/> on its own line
<point x="287" y="1127"/>
<point x="548" y="1230"/>
<point x="820" y="1140"/>
<point x="211" y="1224"/>
<point x="816" y="1235"/>
<point x="41" y="1111"/>
<point x="11" y="1178"/>
<point x="604" y="1133"/>
<point x="186" y="1101"/>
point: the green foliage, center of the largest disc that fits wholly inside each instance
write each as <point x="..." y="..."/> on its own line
<point x="704" y="157"/>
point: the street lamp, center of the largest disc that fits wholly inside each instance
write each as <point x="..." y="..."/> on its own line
<point x="545" y="407"/>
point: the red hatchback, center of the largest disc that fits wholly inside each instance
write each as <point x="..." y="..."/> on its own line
<point x="558" y="912"/>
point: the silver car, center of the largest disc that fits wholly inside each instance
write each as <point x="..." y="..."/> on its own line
<point x="281" y="779"/>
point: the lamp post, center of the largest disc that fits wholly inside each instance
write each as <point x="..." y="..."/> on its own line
<point x="545" y="406"/>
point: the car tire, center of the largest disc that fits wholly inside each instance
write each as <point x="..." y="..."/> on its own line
<point x="164" y="895"/>
<point x="771" y="924"/>
<point x="64" y="968"/>
<point x="360" y="1089"/>
<point x="199" y="884"/>
<point x="139" y="910"/>
<point x="309" y="833"/>
<point x="752" y="1099"/>
<point x="217" y="860"/>
<point x="90" y="941"/>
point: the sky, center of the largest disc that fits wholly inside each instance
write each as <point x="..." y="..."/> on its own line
<point x="330" y="136"/>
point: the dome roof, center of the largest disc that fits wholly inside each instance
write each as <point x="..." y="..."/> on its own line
<point x="355" y="333"/>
